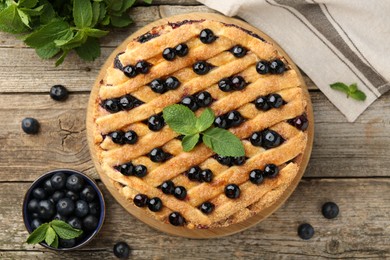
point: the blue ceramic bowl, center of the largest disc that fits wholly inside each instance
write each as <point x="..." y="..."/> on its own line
<point x="27" y="218"/>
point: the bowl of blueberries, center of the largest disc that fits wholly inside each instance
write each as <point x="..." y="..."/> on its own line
<point x="67" y="197"/>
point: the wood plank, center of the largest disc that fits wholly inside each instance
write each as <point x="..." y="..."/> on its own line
<point x="340" y="148"/>
<point x="361" y="230"/>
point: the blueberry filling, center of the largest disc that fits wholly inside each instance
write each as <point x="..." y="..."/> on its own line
<point x="126" y="102"/>
<point x="190" y="102"/>
<point x="267" y="139"/>
<point x="262" y="67"/>
<point x="117" y="62"/>
<point x="207" y="36"/>
<point x="238" y="51"/>
<point x="204" y="99"/>
<point x="232" y="83"/>
<point x="158" y="155"/>
<point x="230" y="160"/>
<point x="156" y="122"/>
<point x="232" y="191"/>
<point x="147" y="37"/>
<point x="207" y="207"/>
<point x="225" y="85"/>
<point x="181" y="50"/>
<point x="167" y="187"/>
<point x="176" y="219"/>
<point x="169" y="54"/>
<point x="256" y="176"/>
<point x="194" y="173"/>
<point x="141" y="200"/>
<point x="300" y="122"/>
<point x="155" y="204"/>
<point x="172" y="83"/>
<point x="142" y="67"/>
<point x="128" y="169"/>
<point x="201" y="67"/>
<point x="180" y="192"/>
<point x="271" y="170"/>
<point x="277" y="67"/>
<point x="206" y="175"/>
<point x="129" y="71"/>
<point x="228" y="120"/>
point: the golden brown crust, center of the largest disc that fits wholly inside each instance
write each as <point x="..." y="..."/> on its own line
<point x="253" y="198"/>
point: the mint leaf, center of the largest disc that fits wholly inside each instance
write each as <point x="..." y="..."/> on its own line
<point x="352" y="88"/>
<point x="180" y="119"/>
<point x="126" y="5"/>
<point x="90" y="50"/>
<point x="50" y="236"/>
<point x="148" y="1"/>
<point x="358" y="95"/>
<point x="24" y="17"/>
<point x="48" y="12"/>
<point x="38" y="235"/>
<point x="115" y="5"/>
<point x="55" y="242"/>
<point x="48" y="51"/>
<point x="340" y="87"/>
<point x="61" y="59"/>
<point x="223" y="142"/>
<point x="82" y="13"/>
<point x="95" y="13"/>
<point x="52" y="31"/>
<point x="28" y="3"/>
<point x="33" y="12"/>
<point x="64" y="230"/>
<point x="189" y="142"/>
<point x="95" y="32"/>
<point x="72" y="42"/>
<point x="10" y="20"/>
<point x="121" y="21"/>
<point x="205" y="120"/>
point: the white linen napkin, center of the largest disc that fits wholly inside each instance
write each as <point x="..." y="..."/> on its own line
<point x="330" y="40"/>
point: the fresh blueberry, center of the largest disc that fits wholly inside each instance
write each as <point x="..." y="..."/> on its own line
<point x="129" y="71"/>
<point x="46" y="209"/>
<point x="142" y="67"/>
<point x="190" y="102"/>
<point x="88" y="194"/>
<point x="172" y="83"/>
<point x="277" y="67"/>
<point x="240" y="160"/>
<point x="156" y="122"/>
<point x="238" y="51"/>
<point x="81" y="208"/>
<point x="34" y="215"/>
<point x="35" y="223"/>
<point x="305" y="231"/>
<point x="271" y="139"/>
<point x="256" y="176"/>
<point x="262" y="67"/>
<point x="72" y="195"/>
<point x="169" y="54"/>
<point x="58" y="181"/>
<point x="232" y="191"/>
<point x="256" y="139"/>
<point x="90" y="222"/>
<point x="275" y="100"/>
<point x="111" y="105"/>
<point x="47" y="186"/>
<point x="67" y="243"/>
<point x="126" y="102"/>
<point x="180" y="192"/>
<point x="221" y="122"/>
<point x="204" y="99"/>
<point x="33" y="206"/>
<point x="201" y="67"/>
<point x="75" y="183"/>
<point x="58" y="216"/>
<point x="57" y="195"/>
<point x="176" y="219"/>
<point x="122" y="250"/>
<point x="271" y="170"/>
<point x="117" y="137"/>
<point x="207" y="207"/>
<point x="224" y="160"/>
<point x="234" y="118"/>
<point x="30" y="125"/>
<point x="330" y="210"/>
<point x="157" y="85"/>
<point x="181" y="50"/>
<point x="207" y="36"/>
<point x="58" y="93"/>
<point x="158" y="155"/>
<point x="141" y="200"/>
<point x="65" y="206"/>
<point x="300" y="122"/>
<point x="39" y="193"/>
<point x="155" y="204"/>
<point x="140" y="170"/>
<point x="94" y="208"/>
<point x="130" y="137"/>
<point x="167" y="187"/>
<point x="126" y="169"/>
<point x="206" y="175"/>
<point x="194" y="173"/>
<point x="225" y="85"/>
<point x="75" y="222"/>
<point x="262" y="104"/>
<point x="238" y="83"/>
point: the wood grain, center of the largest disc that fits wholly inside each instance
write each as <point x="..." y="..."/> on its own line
<point x="361" y="230"/>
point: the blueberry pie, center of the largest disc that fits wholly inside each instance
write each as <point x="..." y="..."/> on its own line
<point x="252" y="89"/>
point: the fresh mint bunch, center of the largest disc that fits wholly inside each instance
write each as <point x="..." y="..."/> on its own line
<point x="59" y="26"/>
<point x="183" y="121"/>
<point x="50" y="232"/>
<point x="351" y="90"/>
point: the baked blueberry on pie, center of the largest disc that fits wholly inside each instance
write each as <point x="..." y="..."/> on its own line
<point x="254" y="93"/>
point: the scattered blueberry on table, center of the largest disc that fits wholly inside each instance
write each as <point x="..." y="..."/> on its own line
<point x="305" y="231"/>
<point x="122" y="250"/>
<point x="30" y="126"/>
<point x="330" y="210"/>
<point x="59" y="93"/>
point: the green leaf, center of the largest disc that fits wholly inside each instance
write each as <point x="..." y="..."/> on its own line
<point x="95" y="13"/>
<point x="205" y="120"/>
<point x="180" y="119"/>
<point x="10" y="21"/>
<point x="50" y="236"/>
<point x="48" y="13"/>
<point x="126" y="5"/>
<point x="48" y="51"/>
<point x="24" y="17"/>
<point x="33" y="12"/>
<point x="64" y="230"/>
<point x="121" y="21"/>
<point x="95" y="32"/>
<point x="82" y="13"/>
<point x="52" y="31"/>
<point x="72" y="42"/>
<point x="352" y="88"/>
<point x="106" y="20"/>
<point x="189" y="142"/>
<point x="115" y="5"/>
<point x="38" y="235"/>
<point x="358" y="95"/>
<point x="90" y="50"/>
<point x="55" y="242"/>
<point x="103" y="12"/>
<point x="340" y="87"/>
<point x="28" y="3"/>
<point x="61" y="59"/>
<point x="223" y="142"/>
<point x="148" y="1"/>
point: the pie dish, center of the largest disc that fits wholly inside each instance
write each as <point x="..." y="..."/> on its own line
<point x="249" y="83"/>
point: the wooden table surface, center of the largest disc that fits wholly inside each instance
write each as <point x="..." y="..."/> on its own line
<point x="350" y="165"/>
